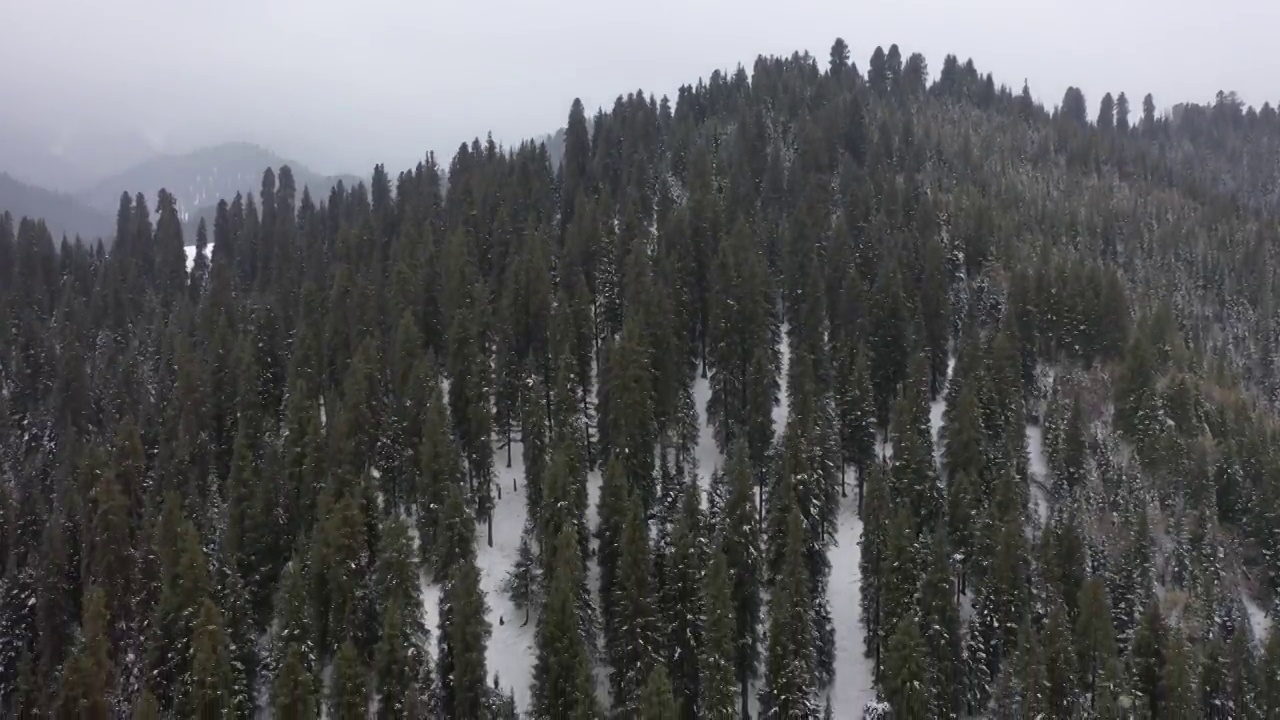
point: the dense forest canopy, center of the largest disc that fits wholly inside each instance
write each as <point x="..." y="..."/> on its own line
<point x="814" y="382"/>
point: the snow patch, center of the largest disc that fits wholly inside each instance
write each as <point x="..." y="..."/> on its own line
<point x="852" y="688"/>
<point x="1039" y="469"/>
<point x="191" y="254"/>
<point x="936" y="410"/>
<point x="1258" y="620"/>
<point x="511" y="650"/>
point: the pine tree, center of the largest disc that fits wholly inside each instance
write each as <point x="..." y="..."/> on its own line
<point x="855" y="411"/>
<point x="1059" y="664"/>
<point x="656" y="700"/>
<point x="87" y="677"/>
<point x="464" y="633"/>
<point x="789" y="685"/>
<point x="293" y="694"/>
<point x="562" y="685"/>
<point x="348" y="695"/>
<point x="1095" y="638"/>
<point x="1269" y="687"/>
<point x="740" y="541"/>
<point x="940" y="627"/>
<point x="1147" y="658"/>
<point x="906" y="676"/>
<point x="148" y="708"/>
<point x="872" y="563"/>
<point x="185" y="585"/>
<point x="1241" y="670"/>
<point x="1177" y="683"/>
<point x="401" y="666"/>
<point x="632" y="648"/>
<point x="212" y="682"/>
<point x="683" y="605"/>
<point x="717" y="651"/>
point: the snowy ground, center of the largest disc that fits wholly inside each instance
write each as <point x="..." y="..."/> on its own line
<point x="1258" y="619"/>
<point x="510" y="653"/>
<point x="706" y="455"/>
<point x="936" y="410"/>
<point x="852" y="688"/>
<point x="1039" y="469"/>
<point x="191" y="254"/>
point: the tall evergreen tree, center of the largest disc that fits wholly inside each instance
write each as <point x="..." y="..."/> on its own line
<point x="790" y="683"/>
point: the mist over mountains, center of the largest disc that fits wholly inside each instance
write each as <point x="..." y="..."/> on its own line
<point x="197" y="180"/>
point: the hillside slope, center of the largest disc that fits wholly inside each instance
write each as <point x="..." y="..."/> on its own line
<point x="815" y="392"/>
<point x="63" y="214"/>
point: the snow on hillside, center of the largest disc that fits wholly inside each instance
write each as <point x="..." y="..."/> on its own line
<point x="936" y="410"/>
<point x="1258" y="620"/>
<point x="510" y="653"/>
<point x="706" y="455"/>
<point x="1039" y="469"/>
<point x="191" y="254"/>
<point x="511" y="648"/>
<point x="852" y="688"/>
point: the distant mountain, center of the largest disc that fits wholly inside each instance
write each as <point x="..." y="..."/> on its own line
<point x="66" y="161"/>
<point x="64" y="214"/>
<point x="200" y="178"/>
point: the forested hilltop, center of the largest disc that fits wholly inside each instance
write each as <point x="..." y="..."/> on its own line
<point x="815" y="393"/>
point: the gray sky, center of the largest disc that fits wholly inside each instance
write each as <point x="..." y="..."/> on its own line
<point x="341" y="84"/>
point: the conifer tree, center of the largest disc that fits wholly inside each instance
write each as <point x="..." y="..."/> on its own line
<point x="1095" y="638"/>
<point x="562" y="685"/>
<point x="632" y="648"/>
<point x="464" y="633"/>
<point x="656" y="700"/>
<point x="184" y="587"/>
<point x="789" y="685"/>
<point x="293" y="694"/>
<point x="1147" y="658"/>
<point x="401" y="666"/>
<point x="940" y="628"/>
<point x="348" y="695"/>
<point x="1177" y="683"/>
<point x="717" y="651"/>
<point x="683" y="604"/>
<point x="1269" y="687"/>
<point x="147" y="707"/>
<point x="906" y="680"/>
<point x="87" y="677"/>
<point x="855" y="411"/>
<point x="740" y="541"/>
<point x="212" y="682"/>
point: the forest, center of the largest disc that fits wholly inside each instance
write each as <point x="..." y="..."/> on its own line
<point x="816" y="392"/>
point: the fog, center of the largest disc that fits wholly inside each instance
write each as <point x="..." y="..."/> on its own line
<point x="342" y="85"/>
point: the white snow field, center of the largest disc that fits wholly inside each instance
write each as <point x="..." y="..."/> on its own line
<point x="1258" y="619"/>
<point x="510" y="653"/>
<point x="852" y="688"/>
<point x="191" y="254"/>
<point x="1039" y="470"/>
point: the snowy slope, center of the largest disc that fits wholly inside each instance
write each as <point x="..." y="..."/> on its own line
<point x="191" y="254"/>
<point x="1039" y="469"/>
<point x="510" y="653"/>
<point x="511" y="648"/>
<point x="852" y="689"/>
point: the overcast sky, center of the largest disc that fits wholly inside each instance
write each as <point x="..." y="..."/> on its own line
<point x="341" y="84"/>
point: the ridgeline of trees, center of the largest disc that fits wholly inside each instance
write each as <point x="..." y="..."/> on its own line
<point x="221" y="490"/>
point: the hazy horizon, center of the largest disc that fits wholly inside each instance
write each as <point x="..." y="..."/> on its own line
<point x="341" y="86"/>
